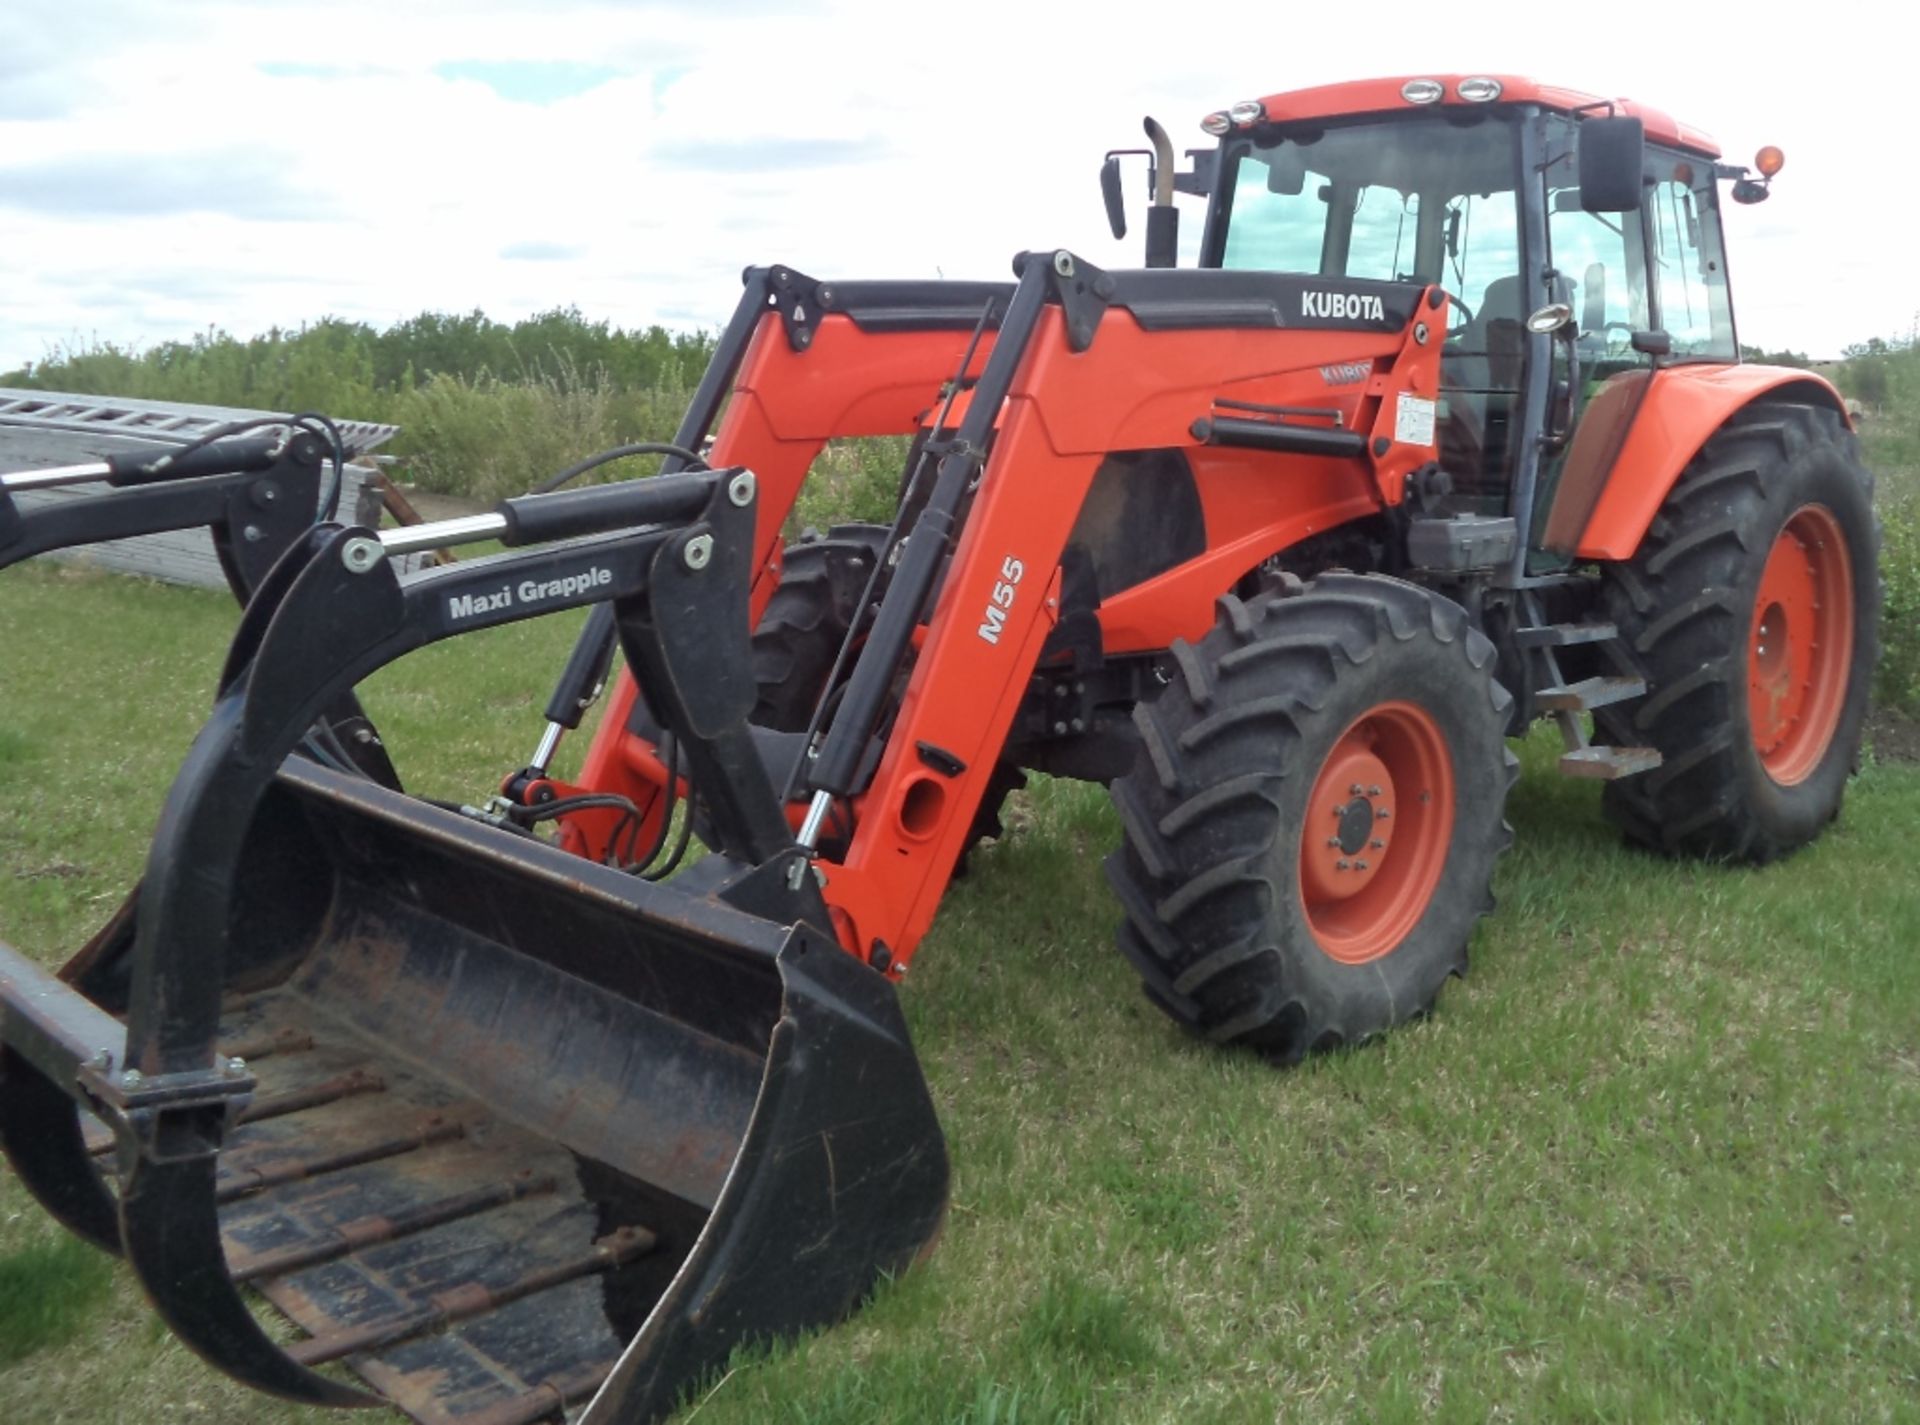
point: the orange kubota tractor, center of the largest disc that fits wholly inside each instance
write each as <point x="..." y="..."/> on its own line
<point x="1445" y="431"/>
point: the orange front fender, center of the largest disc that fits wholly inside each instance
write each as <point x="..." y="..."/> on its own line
<point x="1606" y="500"/>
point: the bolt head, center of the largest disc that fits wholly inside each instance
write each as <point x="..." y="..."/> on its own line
<point x="362" y="554"/>
<point x="1359" y="865"/>
<point x="740" y="489"/>
<point x="699" y="551"/>
<point x="1063" y="263"/>
<point x="132" y="1079"/>
<point x="1340" y="865"/>
<point x="1373" y="791"/>
<point x="1381" y="813"/>
<point x="1379" y="845"/>
<point x="1356" y="790"/>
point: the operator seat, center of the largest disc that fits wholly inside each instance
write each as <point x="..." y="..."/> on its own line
<point x="1480" y="376"/>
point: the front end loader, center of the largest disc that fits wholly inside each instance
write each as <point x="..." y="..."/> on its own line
<point x="500" y="1128"/>
<point x="518" y="1111"/>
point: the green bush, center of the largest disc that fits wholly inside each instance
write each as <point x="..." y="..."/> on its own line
<point x="1899" y="674"/>
<point x="856" y="479"/>
<point x="486" y="438"/>
<point x="351" y="369"/>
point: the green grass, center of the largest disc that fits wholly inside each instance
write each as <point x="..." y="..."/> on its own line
<point x="1653" y="1160"/>
<point x="47" y="1293"/>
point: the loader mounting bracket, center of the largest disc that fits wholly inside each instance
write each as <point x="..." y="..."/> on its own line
<point x="799" y="300"/>
<point x="1082" y="290"/>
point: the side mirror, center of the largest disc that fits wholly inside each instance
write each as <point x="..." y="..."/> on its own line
<point x="1612" y="156"/>
<point x="1286" y="171"/>
<point x="1110" y="191"/>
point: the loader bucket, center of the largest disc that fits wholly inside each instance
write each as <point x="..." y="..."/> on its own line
<point x="499" y="1131"/>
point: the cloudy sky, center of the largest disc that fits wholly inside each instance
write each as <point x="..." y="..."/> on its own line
<point x="166" y="165"/>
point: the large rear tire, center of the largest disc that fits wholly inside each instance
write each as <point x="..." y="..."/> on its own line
<point x="1753" y="609"/>
<point x="1313" y="819"/>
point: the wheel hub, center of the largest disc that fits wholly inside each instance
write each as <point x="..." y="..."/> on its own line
<point x="1353" y="788"/>
<point x="1378" y="823"/>
<point x="1356" y="825"/>
<point x="1800" y="651"/>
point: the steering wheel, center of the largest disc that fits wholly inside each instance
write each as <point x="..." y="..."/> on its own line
<point x="1459" y="317"/>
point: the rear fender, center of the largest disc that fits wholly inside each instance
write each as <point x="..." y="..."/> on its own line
<point x="1613" y="486"/>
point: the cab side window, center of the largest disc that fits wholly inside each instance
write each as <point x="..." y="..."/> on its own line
<point x="1594" y="255"/>
<point x="1689" y="269"/>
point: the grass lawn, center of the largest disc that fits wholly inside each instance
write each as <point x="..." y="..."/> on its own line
<point x="1656" y="1159"/>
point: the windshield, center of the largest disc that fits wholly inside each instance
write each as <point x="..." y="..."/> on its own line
<point x="1425" y="197"/>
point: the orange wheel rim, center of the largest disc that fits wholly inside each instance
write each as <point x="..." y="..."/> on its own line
<point x="1378" y="824"/>
<point x="1801" y="646"/>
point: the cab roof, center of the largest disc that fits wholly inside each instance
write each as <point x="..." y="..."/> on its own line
<point x="1372" y="96"/>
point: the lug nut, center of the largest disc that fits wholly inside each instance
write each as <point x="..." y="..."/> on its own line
<point x="1373" y="791"/>
<point x="1356" y="790"/>
<point x="1379" y="845"/>
<point x="1339" y="865"/>
<point x="1359" y="865"/>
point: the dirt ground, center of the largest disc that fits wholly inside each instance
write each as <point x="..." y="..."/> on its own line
<point x="1893" y="735"/>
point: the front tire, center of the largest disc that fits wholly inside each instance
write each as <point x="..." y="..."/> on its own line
<point x="1753" y="609"/>
<point x="1313" y="819"/>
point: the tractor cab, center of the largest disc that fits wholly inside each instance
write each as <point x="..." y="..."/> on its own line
<point x="1476" y="185"/>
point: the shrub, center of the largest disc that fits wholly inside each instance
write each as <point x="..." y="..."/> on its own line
<point x="1899" y="674"/>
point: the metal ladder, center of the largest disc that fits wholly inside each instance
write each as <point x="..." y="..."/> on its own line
<point x="1570" y="702"/>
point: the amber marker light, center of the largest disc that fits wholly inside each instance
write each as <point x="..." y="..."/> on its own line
<point x="1769" y="161"/>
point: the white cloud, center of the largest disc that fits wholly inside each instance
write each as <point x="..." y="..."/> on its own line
<point x="252" y="164"/>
